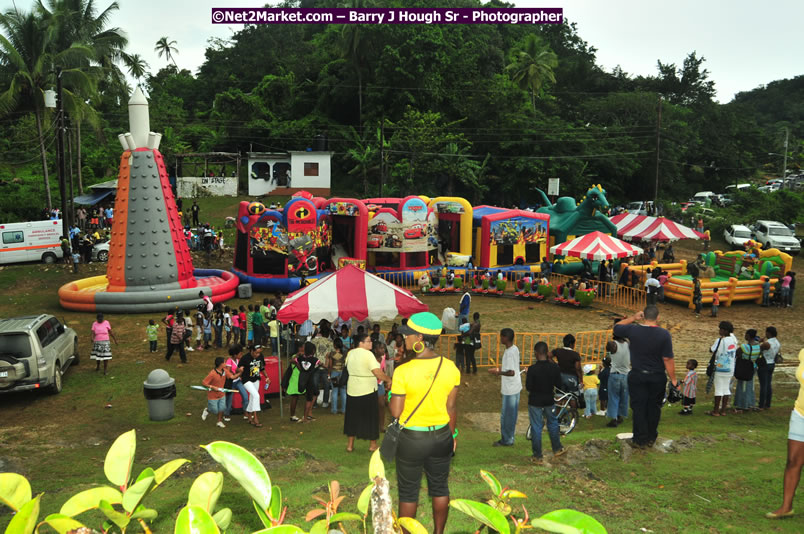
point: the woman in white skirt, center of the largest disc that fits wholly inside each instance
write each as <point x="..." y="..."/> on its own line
<point x="724" y="353"/>
<point x="253" y="365"/>
<point x="101" y="346"/>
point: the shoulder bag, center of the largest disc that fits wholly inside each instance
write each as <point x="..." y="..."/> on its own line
<point x="391" y="440"/>
<point x="710" y="369"/>
<point x="344" y="378"/>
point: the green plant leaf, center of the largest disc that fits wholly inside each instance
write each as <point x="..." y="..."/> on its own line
<point x="89" y="500"/>
<point x="365" y="499"/>
<point x="569" y="522"/>
<point x="168" y="469"/>
<point x="266" y="521"/>
<point x="61" y="523"/>
<point x="24" y="521"/>
<point x="195" y="520"/>
<point x="344" y="516"/>
<point x="491" y="517"/>
<point x="281" y="529"/>
<point x="276" y="502"/>
<point x="376" y="467"/>
<point x="412" y="526"/>
<point x="135" y="493"/>
<point x="320" y="527"/>
<point x="492" y="481"/>
<point x="144" y="513"/>
<point x="205" y="491"/>
<point x="15" y="490"/>
<point x="513" y="494"/>
<point x="222" y="518"/>
<point x="245" y="468"/>
<point x="118" y="518"/>
<point x="120" y="458"/>
<point x="147" y="472"/>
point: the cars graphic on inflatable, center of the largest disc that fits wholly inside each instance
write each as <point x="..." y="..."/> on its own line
<point x="414" y="232"/>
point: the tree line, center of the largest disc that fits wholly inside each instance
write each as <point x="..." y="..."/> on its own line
<point x="482" y="111"/>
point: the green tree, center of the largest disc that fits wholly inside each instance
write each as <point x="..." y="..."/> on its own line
<point x="136" y="65"/>
<point x="532" y="66"/>
<point x="167" y="48"/>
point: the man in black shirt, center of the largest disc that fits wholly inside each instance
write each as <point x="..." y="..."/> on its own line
<point x="195" y="211"/>
<point x="542" y="379"/>
<point x="651" y="357"/>
<point x="569" y="362"/>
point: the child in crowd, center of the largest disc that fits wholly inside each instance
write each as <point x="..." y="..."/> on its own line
<point x="199" y="331"/>
<point x="188" y="325"/>
<point x="603" y="392"/>
<point x="235" y="318"/>
<point x="273" y="332"/>
<point x="689" y="385"/>
<point x="227" y="324"/>
<point x="151" y="331"/>
<point x="715" y="302"/>
<point x="766" y="291"/>
<point x="216" y="399"/>
<point x="250" y="324"/>
<point x="243" y="325"/>
<point x="590" y="385"/>
<point x="217" y="325"/>
<point x="207" y="322"/>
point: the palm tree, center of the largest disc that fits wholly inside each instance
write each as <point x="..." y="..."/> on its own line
<point x="532" y="65"/>
<point x="166" y="48"/>
<point x="28" y="55"/>
<point x="137" y="66"/>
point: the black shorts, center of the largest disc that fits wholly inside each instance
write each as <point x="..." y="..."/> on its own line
<point x="428" y="451"/>
<point x="569" y="383"/>
<point x="688" y="401"/>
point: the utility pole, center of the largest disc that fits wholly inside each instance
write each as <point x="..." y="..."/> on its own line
<point x="784" y="165"/>
<point x="658" y="140"/>
<point x="65" y="218"/>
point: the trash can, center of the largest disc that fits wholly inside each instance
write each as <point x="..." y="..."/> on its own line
<point x="159" y="390"/>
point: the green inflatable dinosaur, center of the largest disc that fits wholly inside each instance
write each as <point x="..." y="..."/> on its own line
<point x="568" y="217"/>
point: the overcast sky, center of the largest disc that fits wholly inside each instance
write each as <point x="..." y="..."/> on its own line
<point x="745" y="43"/>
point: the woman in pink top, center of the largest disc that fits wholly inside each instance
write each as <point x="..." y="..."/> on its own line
<point x="101" y="346"/>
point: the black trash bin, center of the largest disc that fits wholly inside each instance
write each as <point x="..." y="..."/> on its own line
<point x="159" y="390"/>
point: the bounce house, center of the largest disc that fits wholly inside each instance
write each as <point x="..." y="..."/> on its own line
<point x="506" y="237"/>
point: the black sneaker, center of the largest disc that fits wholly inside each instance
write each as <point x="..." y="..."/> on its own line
<point x="613" y="423"/>
<point x="501" y="444"/>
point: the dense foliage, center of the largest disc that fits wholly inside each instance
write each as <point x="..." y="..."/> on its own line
<point x="487" y="112"/>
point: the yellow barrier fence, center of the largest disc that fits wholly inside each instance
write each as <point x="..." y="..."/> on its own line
<point x="610" y="293"/>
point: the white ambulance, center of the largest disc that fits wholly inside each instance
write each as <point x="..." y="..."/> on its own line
<point x="31" y="241"/>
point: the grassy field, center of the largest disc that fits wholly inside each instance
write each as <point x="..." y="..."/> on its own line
<point x="722" y="476"/>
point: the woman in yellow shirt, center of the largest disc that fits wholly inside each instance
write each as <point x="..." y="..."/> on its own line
<point x="423" y="399"/>
<point x="362" y="418"/>
<point x="795" y="449"/>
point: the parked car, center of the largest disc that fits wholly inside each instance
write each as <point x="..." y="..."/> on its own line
<point x="702" y="196"/>
<point x="35" y="351"/>
<point x="773" y="234"/>
<point x="100" y="251"/>
<point x="639" y="207"/>
<point x="736" y="187"/>
<point x="736" y="235"/>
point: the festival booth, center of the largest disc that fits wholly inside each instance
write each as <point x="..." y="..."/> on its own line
<point x="505" y="237"/>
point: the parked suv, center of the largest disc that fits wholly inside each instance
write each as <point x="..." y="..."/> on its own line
<point x="736" y="235"/>
<point x="35" y="351"/>
<point x="774" y="234"/>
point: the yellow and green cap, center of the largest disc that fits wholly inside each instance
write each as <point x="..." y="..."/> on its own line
<point x="424" y="323"/>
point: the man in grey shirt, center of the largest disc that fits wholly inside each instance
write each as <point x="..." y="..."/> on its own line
<point x="510" y="387"/>
<point x="620" y="354"/>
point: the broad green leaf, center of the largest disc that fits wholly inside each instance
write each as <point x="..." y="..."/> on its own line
<point x="569" y="522"/>
<point x="118" y="518"/>
<point x="245" y="468"/>
<point x="491" y="517"/>
<point x="281" y="529"/>
<point x="223" y="518"/>
<point x="492" y="481"/>
<point x="276" y="502"/>
<point x="376" y="467"/>
<point x="168" y="469"/>
<point x="147" y="472"/>
<point x="120" y="458"/>
<point x="320" y="527"/>
<point x="266" y="521"/>
<point x="365" y="499"/>
<point x="24" y="521"/>
<point x="90" y="499"/>
<point x="344" y="516"/>
<point x="205" y="491"/>
<point x="195" y="520"/>
<point x="15" y="490"/>
<point x="135" y="493"/>
<point x="513" y="494"/>
<point x="144" y="513"/>
<point x="61" y="523"/>
<point x="412" y="526"/>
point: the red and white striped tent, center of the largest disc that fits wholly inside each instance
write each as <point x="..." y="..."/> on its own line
<point x="630" y="226"/>
<point x="596" y="246"/>
<point x="348" y="293"/>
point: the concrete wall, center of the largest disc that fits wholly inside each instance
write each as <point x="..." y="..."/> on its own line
<point x="218" y="186"/>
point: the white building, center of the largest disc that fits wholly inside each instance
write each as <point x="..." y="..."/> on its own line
<point x="285" y="173"/>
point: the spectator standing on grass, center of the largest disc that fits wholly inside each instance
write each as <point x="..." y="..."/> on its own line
<point x="715" y="302"/>
<point x="510" y="387"/>
<point x="724" y="351"/>
<point x="232" y="362"/>
<point x="176" y="337"/>
<point x="771" y="348"/>
<point x="590" y="390"/>
<point x="152" y="330"/>
<point x="464" y="307"/>
<point x="786" y="280"/>
<point x="195" y="210"/>
<point x="324" y="349"/>
<point x="101" y="346"/>
<point x="697" y="295"/>
<point x="795" y="449"/>
<point x="651" y="348"/>
<point x="216" y="398"/>
<point x="541" y="381"/>
<point x="253" y="367"/>
<point x="569" y="361"/>
<point x="747" y="355"/>
<point x="620" y="356"/>
<point x="766" y="287"/>
<point x="603" y="390"/>
<point x="257" y="321"/>
<point x="689" y="388"/>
